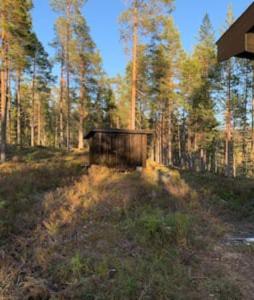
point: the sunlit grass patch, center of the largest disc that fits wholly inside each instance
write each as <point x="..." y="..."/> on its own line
<point x="153" y="225"/>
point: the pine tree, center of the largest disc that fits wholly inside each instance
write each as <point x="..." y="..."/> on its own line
<point x="69" y="10"/>
<point x="202" y="121"/>
<point x="41" y="70"/>
<point x="142" y="17"/>
<point x="165" y="52"/>
<point x="229" y="81"/>
<point x="14" y="38"/>
<point x="83" y="57"/>
<point x="122" y="91"/>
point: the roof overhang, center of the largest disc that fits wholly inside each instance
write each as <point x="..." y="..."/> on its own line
<point x="117" y="131"/>
<point x="238" y="40"/>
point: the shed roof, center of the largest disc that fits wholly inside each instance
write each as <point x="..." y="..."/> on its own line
<point x="234" y="42"/>
<point x="116" y="130"/>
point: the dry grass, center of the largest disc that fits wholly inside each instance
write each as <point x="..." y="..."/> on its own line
<point x="108" y="235"/>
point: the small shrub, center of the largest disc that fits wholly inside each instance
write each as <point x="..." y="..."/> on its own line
<point x="2" y="203"/>
<point x="102" y="269"/>
<point x="72" y="269"/>
<point x="180" y="228"/>
<point x="223" y="289"/>
<point x="152" y="223"/>
<point x="126" y="286"/>
<point x="76" y="265"/>
<point x="52" y="227"/>
<point x="174" y="227"/>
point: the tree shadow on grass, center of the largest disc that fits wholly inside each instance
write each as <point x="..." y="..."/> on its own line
<point x="231" y="200"/>
<point x="22" y="186"/>
<point x="107" y="235"/>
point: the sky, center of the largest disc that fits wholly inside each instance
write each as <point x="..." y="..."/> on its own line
<point x="102" y="17"/>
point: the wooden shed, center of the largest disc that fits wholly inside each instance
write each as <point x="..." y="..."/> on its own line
<point x="118" y="148"/>
<point x="238" y="40"/>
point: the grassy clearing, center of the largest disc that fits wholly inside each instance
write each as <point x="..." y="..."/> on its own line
<point x="110" y="235"/>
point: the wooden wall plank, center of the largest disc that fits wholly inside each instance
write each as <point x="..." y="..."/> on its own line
<point x="118" y="150"/>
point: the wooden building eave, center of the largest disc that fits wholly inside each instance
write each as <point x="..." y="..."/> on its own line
<point x="117" y="131"/>
<point x="238" y="40"/>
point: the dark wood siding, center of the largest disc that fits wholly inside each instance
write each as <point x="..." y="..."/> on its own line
<point x="233" y="41"/>
<point x="118" y="150"/>
<point x="250" y="42"/>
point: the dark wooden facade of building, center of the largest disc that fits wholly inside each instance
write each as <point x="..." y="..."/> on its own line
<point x="118" y="148"/>
<point x="238" y="40"/>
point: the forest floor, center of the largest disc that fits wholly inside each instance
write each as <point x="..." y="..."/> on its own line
<point x="71" y="233"/>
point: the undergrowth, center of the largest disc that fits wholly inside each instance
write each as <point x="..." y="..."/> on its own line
<point x="66" y="234"/>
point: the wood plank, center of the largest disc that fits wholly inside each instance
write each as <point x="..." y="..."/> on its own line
<point x="250" y="42"/>
<point x="144" y="150"/>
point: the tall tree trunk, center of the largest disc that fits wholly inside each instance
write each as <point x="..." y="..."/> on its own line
<point x="81" y="112"/>
<point x="161" y="140"/>
<point x="68" y="110"/>
<point x="190" y="145"/>
<point x="3" y="89"/>
<point x="169" y="135"/>
<point x="134" y="68"/>
<point x="179" y="144"/>
<point x="33" y="104"/>
<point x="156" y="144"/>
<point x="56" y="142"/>
<point x="252" y="124"/>
<point x="61" y="104"/>
<point x="18" y="109"/>
<point x="229" y="138"/>
<point x="202" y="160"/>
<point x="68" y="13"/>
<point x="245" y="128"/>
<point x="189" y="142"/>
<point x="213" y="158"/>
<point x="9" y="110"/>
<point x="3" y="112"/>
<point x="252" y="114"/>
<point x="39" y="116"/>
<point x="163" y="144"/>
